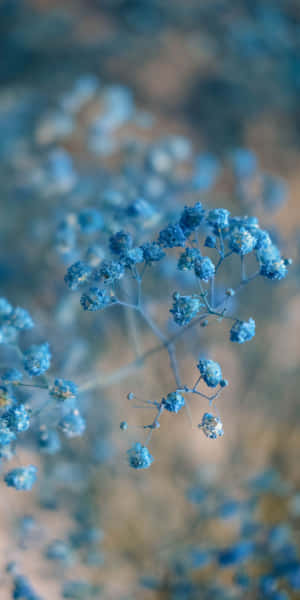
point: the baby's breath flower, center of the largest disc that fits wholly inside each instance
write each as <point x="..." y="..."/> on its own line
<point x="37" y="359"/>
<point x="77" y="275"/>
<point x="204" y="268"/>
<point x="21" y="478"/>
<point x="173" y="402"/>
<point x="242" y="331"/>
<point x="139" y="457"/>
<point x="210" y="371"/>
<point x="211" y="426"/>
<point x="63" y="389"/>
<point x="185" y="308"/>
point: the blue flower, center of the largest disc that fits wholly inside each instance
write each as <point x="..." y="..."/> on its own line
<point x="21" y="478"/>
<point x="187" y="259"/>
<point x="211" y="426"/>
<point x="210" y="371"/>
<point x="275" y="269"/>
<point x="96" y="299"/>
<point x="152" y="252"/>
<point x="172" y="237"/>
<point x="218" y="218"/>
<point x="63" y="389"/>
<point x="133" y="256"/>
<point x="12" y="376"/>
<point x="242" y="331"/>
<point x="77" y="275"/>
<point x="20" y="319"/>
<point x="185" y="308"/>
<point x="191" y="218"/>
<point x="204" y="268"/>
<point x="120" y="242"/>
<point x="18" y="418"/>
<point x="139" y="457"/>
<point x="6" y="434"/>
<point x="210" y="241"/>
<point x="241" y="241"/>
<point x="109" y="272"/>
<point x="173" y="402"/>
<point x="37" y="359"/>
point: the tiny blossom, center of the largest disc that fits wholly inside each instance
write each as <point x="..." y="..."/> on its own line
<point x="109" y="271"/>
<point x="263" y="239"/>
<point x="72" y="423"/>
<point x="20" y="319"/>
<point x="172" y="237"/>
<point x="12" y="376"/>
<point x="275" y="270"/>
<point x="63" y="389"/>
<point x="210" y="241"/>
<point x="152" y="252"/>
<point x="21" y="478"/>
<point x="6" y="434"/>
<point x="191" y="218"/>
<point x="187" y="259"/>
<point x="242" y="331"/>
<point x="204" y="268"/>
<point x="90" y="220"/>
<point x="173" y="402"/>
<point x="241" y="241"/>
<point x="185" y="308"/>
<point x="133" y="256"/>
<point x="8" y="333"/>
<point x="211" y="426"/>
<point x="37" y="359"/>
<point x="77" y="275"/>
<point x="18" y="418"/>
<point x="210" y="371"/>
<point x="218" y="218"/>
<point x="139" y="457"/>
<point x="120" y="242"/>
<point x="96" y="299"/>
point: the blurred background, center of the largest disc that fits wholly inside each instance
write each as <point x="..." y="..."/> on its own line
<point x="93" y="95"/>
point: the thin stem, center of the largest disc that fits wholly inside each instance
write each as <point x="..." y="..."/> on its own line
<point x="125" y="371"/>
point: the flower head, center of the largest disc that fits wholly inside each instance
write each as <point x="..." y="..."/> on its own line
<point x="139" y="457"/>
<point x="211" y="426"/>
<point x="21" y="478"/>
<point x="173" y="402"/>
<point x="242" y="331"/>
<point x="211" y="372"/>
